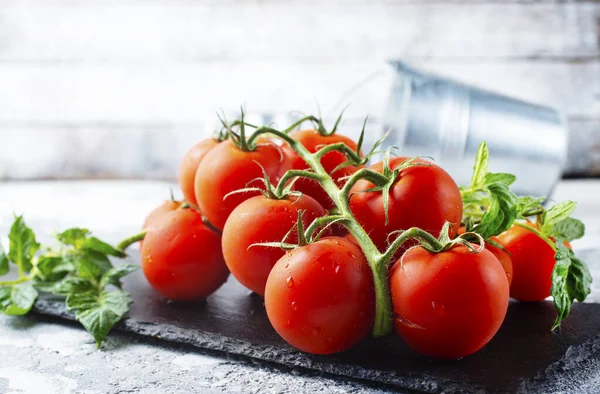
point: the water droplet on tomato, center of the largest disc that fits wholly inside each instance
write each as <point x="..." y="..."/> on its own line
<point x="336" y="267"/>
<point x="287" y="265"/>
<point x="438" y="308"/>
<point x="315" y="331"/>
<point x="294" y="306"/>
<point x="289" y="322"/>
<point x="508" y="275"/>
<point x="289" y="281"/>
<point x="351" y="255"/>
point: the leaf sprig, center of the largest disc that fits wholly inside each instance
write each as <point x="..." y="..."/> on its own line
<point x="490" y="207"/>
<point x="78" y="268"/>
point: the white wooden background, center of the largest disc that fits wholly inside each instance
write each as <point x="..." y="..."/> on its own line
<point x="121" y="88"/>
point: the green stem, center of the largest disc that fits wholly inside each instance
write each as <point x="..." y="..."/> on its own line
<point x="22" y="279"/>
<point x="426" y="239"/>
<point x="378" y="263"/>
<point x="124" y="244"/>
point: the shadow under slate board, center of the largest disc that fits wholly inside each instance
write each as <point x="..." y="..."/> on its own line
<point x="523" y="356"/>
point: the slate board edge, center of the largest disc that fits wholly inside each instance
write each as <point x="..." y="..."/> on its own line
<point x="290" y="357"/>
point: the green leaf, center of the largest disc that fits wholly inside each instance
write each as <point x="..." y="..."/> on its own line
<point x="94" y="244"/>
<point x="571" y="280"/>
<point x="569" y="229"/>
<point x="67" y="286"/>
<point x="73" y="236"/>
<point x="503" y="178"/>
<point x="527" y="204"/>
<point x="53" y="268"/>
<point x="556" y="214"/>
<point x="3" y="262"/>
<point x="480" y="169"/>
<point x="23" y="245"/>
<point x="92" y="265"/>
<point x="114" y="275"/>
<point x="17" y="300"/>
<point x="98" y="313"/>
<point x="502" y="209"/>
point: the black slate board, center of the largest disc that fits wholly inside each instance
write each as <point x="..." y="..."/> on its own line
<point x="524" y="356"/>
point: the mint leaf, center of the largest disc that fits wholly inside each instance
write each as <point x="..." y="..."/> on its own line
<point x="17" y="300"/>
<point x="556" y="214"/>
<point x="528" y="204"/>
<point x="500" y="177"/>
<point x="94" y="244"/>
<point x="98" y="313"/>
<point x="489" y="207"/>
<point x="480" y="169"/>
<point x="53" y="268"/>
<point x="568" y="229"/>
<point x="502" y="209"/>
<point x="73" y="236"/>
<point x="23" y="245"/>
<point x="571" y="280"/>
<point x="4" y="268"/>
<point x="114" y="275"/>
<point x="66" y="286"/>
<point x="92" y="265"/>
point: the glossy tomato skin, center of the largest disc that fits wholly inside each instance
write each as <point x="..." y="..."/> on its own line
<point x="313" y="141"/>
<point x="181" y="257"/>
<point x="500" y="254"/>
<point x="258" y="220"/>
<point x="189" y="166"/>
<point x="320" y="297"/>
<point x="503" y="257"/>
<point x="158" y="212"/>
<point x="451" y="304"/>
<point x="226" y="168"/>
<point x="533" y="262"/>
<point x="423" y="196"/>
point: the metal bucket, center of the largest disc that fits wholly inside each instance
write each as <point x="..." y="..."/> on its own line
<point x="447" y="120"/>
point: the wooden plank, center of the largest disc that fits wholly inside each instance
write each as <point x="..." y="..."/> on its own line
<point x="162" y="31"/>
<point x="189" y="93"/>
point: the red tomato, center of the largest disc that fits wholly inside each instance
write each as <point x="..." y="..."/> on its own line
<point x="225" y="168"/>
<point x="158" y="212"/>
<point x="181" y="257"/>
<point x="451" y="304"/>
<point x="502" y="256"/>
<point x="533" y="263"/>
<point x="313" y="141"/>
<point x="189" y="166"/>
<point x="258" y="220"/>
<point x="320" y="297"/>
<point x="504" y="259"/>
<point x="423" y="196"/>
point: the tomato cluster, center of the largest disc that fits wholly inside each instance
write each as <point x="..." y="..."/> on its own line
<point x="264" y="209"/>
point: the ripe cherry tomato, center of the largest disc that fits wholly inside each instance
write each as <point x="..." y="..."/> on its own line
<point x="533" y="262"/>
<point x="448" y="305"/>
<point x="158" y="212"/>
<point x="258" y="220"/>
<point x="226" y="168"/>
<point x="500" y="254"/>
<point x="503" y="257"/>
<point x="189" y="166"/>
<point x="423" y="196"/>
<point x="320" y="297"/>
<point x="313" y="141"/>
<point x="181" y="257"/>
